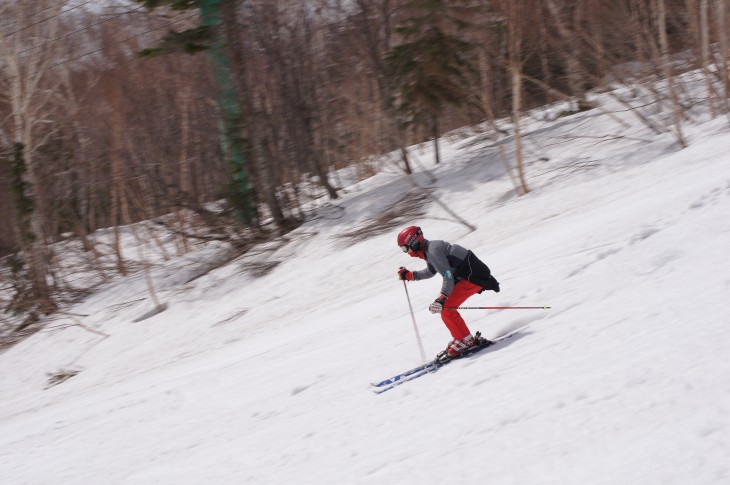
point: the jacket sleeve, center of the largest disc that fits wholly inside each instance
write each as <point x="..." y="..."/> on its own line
<point x="424" y="274"/>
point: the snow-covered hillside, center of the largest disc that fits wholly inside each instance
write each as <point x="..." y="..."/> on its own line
<point x="262" y="377"/>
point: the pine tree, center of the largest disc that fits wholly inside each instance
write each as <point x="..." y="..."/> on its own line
<point x="431" y="66"/>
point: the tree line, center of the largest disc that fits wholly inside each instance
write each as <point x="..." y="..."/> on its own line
<point x="118" y="115"/>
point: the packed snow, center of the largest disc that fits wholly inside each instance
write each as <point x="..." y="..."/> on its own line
<point x="258" y="370"/>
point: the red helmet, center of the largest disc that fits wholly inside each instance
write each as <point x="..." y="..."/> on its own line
<point x="410" y="239"/>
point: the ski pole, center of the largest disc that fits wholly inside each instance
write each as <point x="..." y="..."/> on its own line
<point x="498" y="308"/>
<point x="415" y="327"/>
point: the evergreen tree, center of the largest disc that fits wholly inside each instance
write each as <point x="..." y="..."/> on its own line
<point x="431" y="67"/>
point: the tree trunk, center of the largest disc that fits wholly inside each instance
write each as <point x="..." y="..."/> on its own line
<point x="516" y="109"/>
<point x="661" y="20"/>
<point x="722" y="32"/>
<point x="118" y="198"/>
<point x="515" y="68"/>
<point x="569" y="52"/>
<point x="255" y="154"/>
<point x="234" y="129"/>
<point x="435" y="134"/>
<point x="32" y="238"/>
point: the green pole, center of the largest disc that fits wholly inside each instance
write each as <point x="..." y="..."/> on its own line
<point x="231" y="120"/>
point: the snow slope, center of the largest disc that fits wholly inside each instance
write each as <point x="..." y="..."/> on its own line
<point x="263" y="379"/>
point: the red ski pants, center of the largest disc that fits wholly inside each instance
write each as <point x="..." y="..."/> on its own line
<point x="456" y="325"/>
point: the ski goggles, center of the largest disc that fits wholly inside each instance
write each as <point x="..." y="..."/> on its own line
<point x="412" y="245"/>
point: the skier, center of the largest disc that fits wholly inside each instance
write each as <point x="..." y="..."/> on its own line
<point x="463" y="276"/>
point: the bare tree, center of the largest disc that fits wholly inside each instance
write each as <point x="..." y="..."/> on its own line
<point x="375" y="21"/>
<point x="28" y="86"/>
<point x="514" y="14"/>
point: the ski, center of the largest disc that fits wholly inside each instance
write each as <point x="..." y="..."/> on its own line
<point x="432" y="366"/>
<point x="399" y="379"/>
<point x="408" y="375"/>
<point x="419" y="371"/>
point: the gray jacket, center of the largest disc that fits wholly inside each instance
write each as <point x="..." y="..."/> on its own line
<point x="454" y="263"/>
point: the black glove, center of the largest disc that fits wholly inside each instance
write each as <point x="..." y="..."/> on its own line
<point x="438" y="305"/>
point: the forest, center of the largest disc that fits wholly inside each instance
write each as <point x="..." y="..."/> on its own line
<point x="222" y="119"/>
